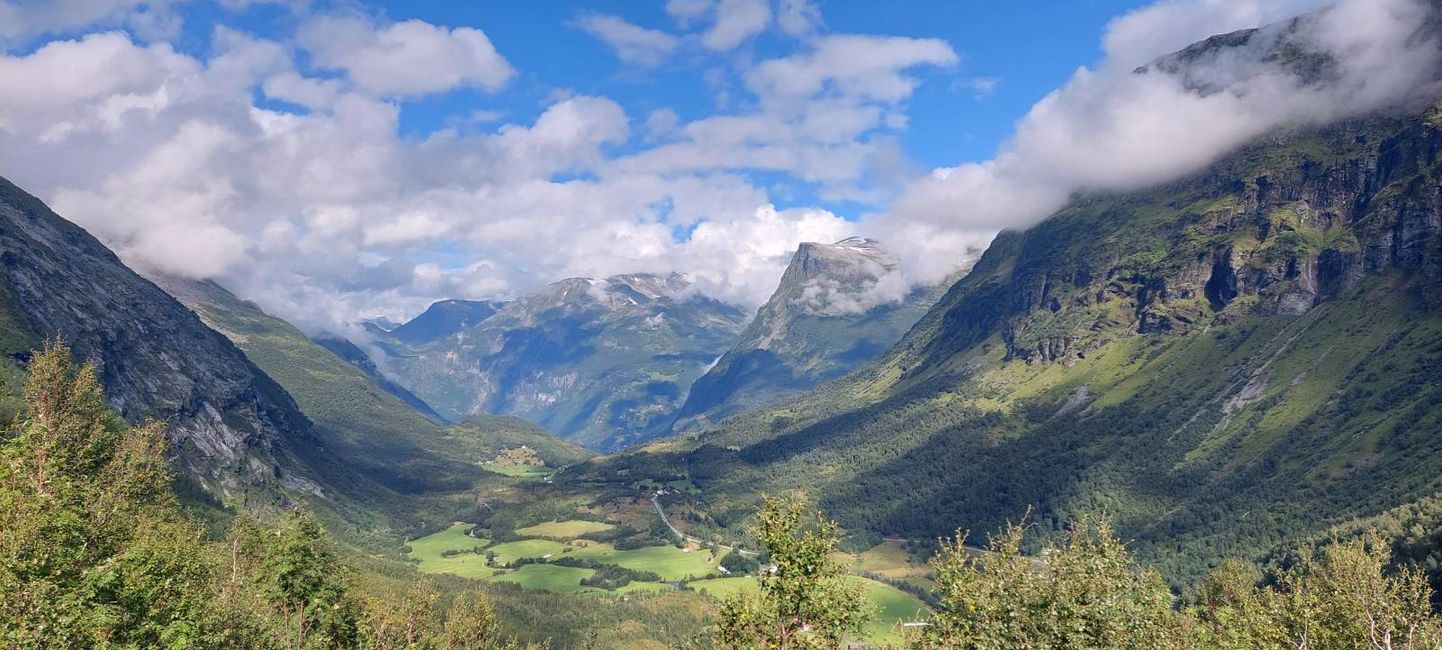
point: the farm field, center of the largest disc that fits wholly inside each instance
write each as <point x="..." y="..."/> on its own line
<point x="696" y="568"/>
<point x="669" y="562"/>
<point x="569" y="529"/>
<point x="430" y="552"/>
<point x="526" y="548"/>
<point x="549" y="577"/>
<point x="519" y="471"/>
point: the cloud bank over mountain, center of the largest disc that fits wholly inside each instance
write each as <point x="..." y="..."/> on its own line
<point x="281" y="164"/>
<point x="1117" y="128"/>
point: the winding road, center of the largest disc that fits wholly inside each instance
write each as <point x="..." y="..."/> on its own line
<point x="656" y="501"/>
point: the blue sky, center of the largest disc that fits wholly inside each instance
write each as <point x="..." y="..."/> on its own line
<point x="1011" y="55"/>
<point x="343" y="159"/>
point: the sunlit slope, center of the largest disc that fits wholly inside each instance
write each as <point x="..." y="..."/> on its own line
<point x="1240" y="357"/>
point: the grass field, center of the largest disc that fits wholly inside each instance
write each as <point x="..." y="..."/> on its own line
<point x="429" y="551"/>
<point x="891" y="561"/>
<point x="565" y="530"/>
<point x="549" y="577"/>
<point x="893" y="606"/>
<point x="669" y="562"/>
<point x="518" y="471"/>
<point x="532" y="548"/>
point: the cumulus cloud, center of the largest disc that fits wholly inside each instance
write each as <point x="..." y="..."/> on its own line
<point x="312" y="202"/>
<point x="736" y="21"/>
<point x="863" y="67"/>
<point x="22" y="19"/>
<point x="632" y="43"/>
<point x="798" y="17"/>
<point x="1114" y="129"/>
<point x="406" y="58"/>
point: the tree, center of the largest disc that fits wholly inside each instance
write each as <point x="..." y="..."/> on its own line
<point x="301" y="576"/>
<point x="1338" y="596"/>
<point x="805" y="598"/>
<point x="471" y="624"/>
<point x="1087" y="593"/>
<point x="93" y="551"/>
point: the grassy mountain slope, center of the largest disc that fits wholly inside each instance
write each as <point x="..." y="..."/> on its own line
<point x="1223" y="363"/>
<point x="377" y="454"/>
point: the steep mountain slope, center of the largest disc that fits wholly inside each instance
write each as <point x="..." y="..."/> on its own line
<point x="1237" y="358"/>
<point x="375" y="454"/>
<point x="836" y="307"/>
<point x="377" y="433"/>
<point x="231" y="428"/>
<point x="352" y="354"/>
<point x="605" y="363"/>
<point x="444" y="319"/>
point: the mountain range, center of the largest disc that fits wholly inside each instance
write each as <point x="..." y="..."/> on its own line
<point x="1221" y="365"/>
<point x="1230" y="360"/>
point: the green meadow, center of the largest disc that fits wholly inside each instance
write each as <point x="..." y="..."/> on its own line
<point x="569" y="529"/>
<point x="696" y="568"/>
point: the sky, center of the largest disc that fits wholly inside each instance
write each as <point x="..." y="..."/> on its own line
<point x="341" y="160"/>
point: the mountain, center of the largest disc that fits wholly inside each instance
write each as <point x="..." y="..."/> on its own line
<point x="352" y="354"/>
<point x="378" y="434"/>
<point x="836" y="307"/>
<point x="605" y="363"/>
<point x="444" y="319"/>
<point x="231" y="427"/>
<point x="1240" y="357"/>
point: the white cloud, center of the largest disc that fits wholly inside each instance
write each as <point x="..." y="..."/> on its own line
<point x="325" y="213"/>
<point x="735" y="21"/>
<point x="1111" y="129"/>
<point x="797" y="17"/>
<point x="1144" y="34"/>
<point x="632" y="43"/>
<point x="687" y="12"/>
<point x="150" y="19"/>
<point x="406" y="58"/>
<point x="983" y="87"/>
<point x="865" y="67"/>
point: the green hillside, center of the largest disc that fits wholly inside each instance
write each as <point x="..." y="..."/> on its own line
<point x="1220" y="364"/>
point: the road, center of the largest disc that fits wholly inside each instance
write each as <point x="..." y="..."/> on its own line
<point x="656" y="501"/>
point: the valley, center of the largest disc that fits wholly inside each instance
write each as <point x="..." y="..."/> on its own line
<point x="1164" y="372"/>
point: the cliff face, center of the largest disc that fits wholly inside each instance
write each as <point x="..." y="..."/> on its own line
<point x="229" y="425"/>
<point x="837" y="306"/>
<point x="1274" y="229"/>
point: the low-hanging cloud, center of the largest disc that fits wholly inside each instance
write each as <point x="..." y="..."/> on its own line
<point x="1116" y="128"/>
<point x="311" y="202"/>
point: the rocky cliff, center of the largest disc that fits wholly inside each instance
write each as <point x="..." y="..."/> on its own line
<point x="230" y="426"/>
<point x="836" y="307"/>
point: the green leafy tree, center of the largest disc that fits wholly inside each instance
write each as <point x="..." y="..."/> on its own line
<point x="92" y="550"/>
<point x="305" y="583"/>
<point x="472" y="624"/>
<point x="805" y="599"/>
<point x="1086" y="593"/>
<point x="1339" y="596"/>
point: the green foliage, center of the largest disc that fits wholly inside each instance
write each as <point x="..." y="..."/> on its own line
<point x="92" y="552"/>
<point x="1087" y="593"/>
<point x="805" y="600"/>
<point x="302" y="577"/>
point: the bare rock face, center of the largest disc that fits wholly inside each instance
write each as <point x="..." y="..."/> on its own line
<point x="228" y="423"/>
<point x="837" y="306"/>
